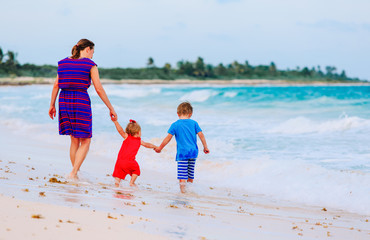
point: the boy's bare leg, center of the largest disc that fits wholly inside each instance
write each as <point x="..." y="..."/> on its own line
<point x="133" y="179"/>
<point x="117" y="181"/>
<point x="182" y="185"/>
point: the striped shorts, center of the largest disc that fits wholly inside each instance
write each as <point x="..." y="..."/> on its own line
<point x="185" y="168"/>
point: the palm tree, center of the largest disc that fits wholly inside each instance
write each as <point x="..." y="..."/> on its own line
<point x="11" y="58"/>
<point x="150" y="62"/>
<point x="167" y="68"/>
<point x="1" y="55"/>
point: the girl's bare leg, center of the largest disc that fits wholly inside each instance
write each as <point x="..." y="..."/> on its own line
<point x="75" y="143"/>
<point x="80" y="156"/>
<point x="182" y="185"/>
<point x="133" y="179"/>
<point x="117" y="181"/>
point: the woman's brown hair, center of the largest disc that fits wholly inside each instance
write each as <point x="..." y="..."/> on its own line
<point x="80" y="46"/>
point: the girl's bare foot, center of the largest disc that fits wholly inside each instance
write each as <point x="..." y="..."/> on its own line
<point x="117" y="181"/>
<point x="133" y="179"/>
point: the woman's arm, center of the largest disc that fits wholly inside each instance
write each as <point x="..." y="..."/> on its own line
<point x="148" y="145"/>
<point x="101" y="92"/>
<point x="166" y="140"/>
<point x="120" y="129"/>
<point x="54" y="94"/>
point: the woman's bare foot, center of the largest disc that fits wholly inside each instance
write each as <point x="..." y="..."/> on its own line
<point x="73" y="176"/>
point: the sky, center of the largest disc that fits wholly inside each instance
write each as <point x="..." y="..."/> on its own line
<point x="291" y="33"/>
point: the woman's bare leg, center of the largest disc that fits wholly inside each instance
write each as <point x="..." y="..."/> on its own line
<point x="75" y="143"/>
<point x="133" y="179"/>
<point x="80" y="156"/>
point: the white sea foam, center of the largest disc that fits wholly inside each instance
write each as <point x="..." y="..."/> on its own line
<point x="230" y="94"/>
<point x="157" y="122"/>
<point x="13" y="108"/>
<point x="299" y="125"/>
<point x="295" y="181"/>
<point x="41" y="96"/>
<point x="198" y="95"/>
<point x="130" y="93"/>
<point x="10" y="97"/>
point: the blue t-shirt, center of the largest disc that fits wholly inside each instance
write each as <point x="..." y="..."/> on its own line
<point x="185" y="132"/>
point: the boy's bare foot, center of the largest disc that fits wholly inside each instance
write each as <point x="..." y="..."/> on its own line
<point x="182" y="187"/>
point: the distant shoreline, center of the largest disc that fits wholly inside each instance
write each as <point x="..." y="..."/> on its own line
<point x="20" y="81"/>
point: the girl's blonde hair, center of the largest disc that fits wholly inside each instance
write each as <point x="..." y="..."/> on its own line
<point x="80" y="46"/>
<point x="132" y="128"/>
<point x="184" y="108"/>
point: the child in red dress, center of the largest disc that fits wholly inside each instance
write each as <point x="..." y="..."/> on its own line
<point x="126" y="163"/>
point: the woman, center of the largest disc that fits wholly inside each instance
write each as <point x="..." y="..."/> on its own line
<point x="75" y="119"/>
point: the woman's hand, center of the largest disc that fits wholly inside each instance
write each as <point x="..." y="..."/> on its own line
<point x="52" y="112"/>
<point x="113" y="115"/>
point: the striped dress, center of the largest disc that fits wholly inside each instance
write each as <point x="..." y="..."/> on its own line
<point x="75" y="116"/>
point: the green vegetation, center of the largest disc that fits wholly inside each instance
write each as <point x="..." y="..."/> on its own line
<point x="9" y="67"/>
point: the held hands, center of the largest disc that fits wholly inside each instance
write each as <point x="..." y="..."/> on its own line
<point x="113" y="115"/>
<point x="157" y="150"/>
<point x="52" y="112"/>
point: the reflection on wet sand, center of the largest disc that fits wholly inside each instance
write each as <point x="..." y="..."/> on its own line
<point x="122" y="194"/>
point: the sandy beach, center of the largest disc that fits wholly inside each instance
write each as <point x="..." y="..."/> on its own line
<point x="33" y="220"/>
<point x="39" y="203"/>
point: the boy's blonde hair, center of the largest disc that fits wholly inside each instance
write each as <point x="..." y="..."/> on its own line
<point x="184" y="108"/>
<point x="132" y="128"/>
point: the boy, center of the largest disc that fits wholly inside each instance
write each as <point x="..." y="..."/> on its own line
<point x="185" y="131"/>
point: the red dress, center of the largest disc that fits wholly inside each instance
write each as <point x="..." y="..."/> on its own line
<point x="126" y="163"/>
<point x="75" y="116"/>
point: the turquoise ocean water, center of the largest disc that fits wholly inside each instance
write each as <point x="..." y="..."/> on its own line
<point x="307" y="144"/>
